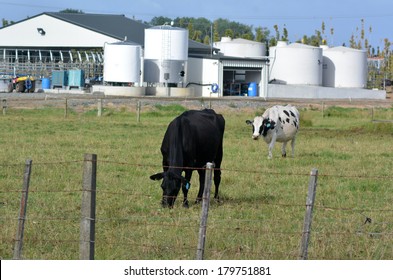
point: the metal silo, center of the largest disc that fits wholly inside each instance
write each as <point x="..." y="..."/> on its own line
<point x="122" y="63"/>
<point x="344" y="67"/>
<point x="166" y="54"/>
<point x="296" y="64"/>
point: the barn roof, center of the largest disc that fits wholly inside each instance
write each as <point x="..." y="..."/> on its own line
<point x="116" y="26"/>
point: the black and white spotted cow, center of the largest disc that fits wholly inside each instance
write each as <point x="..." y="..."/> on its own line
<point x="278" y="123"/>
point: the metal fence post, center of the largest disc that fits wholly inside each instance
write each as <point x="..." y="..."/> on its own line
<point x="205" y="210"/>
<point x="312" y="187"/>
<point x="88" y="208"/>
<point x="22" y="212"/>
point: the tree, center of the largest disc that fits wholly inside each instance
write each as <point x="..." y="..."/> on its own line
<point x="305" y="40"/>
<point x="71" y="11"/>
<point x="352" y="42"/>
<point x="229" y="33"/>
<point x="272" y="42"/>
<point x="262" y="34"/>
<point x="6" y="22"/>
<point x="156" y="21"/>
<point x="248" y="36"/>
<point x="206" y="40"/>
<point x="216" y="35"/>
<point x="197" y="36"/>
<point x="284" y="36"/>
<point x="191" y="31"/>
<point x="277" y="32"/>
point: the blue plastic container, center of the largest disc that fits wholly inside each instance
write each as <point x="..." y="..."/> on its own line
<point x="76" y="78"/>
<point x="45" y="83"/>
<point x="252" y="89"/>
<point x="59" y="78"/>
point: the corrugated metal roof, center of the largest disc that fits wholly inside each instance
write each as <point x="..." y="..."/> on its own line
<point x="243" y="63"/>
<point x="117" y="26"/>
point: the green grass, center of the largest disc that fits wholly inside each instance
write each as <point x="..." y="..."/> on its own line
<point x="262" y="206"/>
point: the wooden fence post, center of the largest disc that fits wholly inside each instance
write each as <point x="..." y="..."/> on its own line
<point x="323" y="109"/>
<point x="372" y="113"/>
<point x="4" y="105"/>
<point x="138" y="111"/>
<point x="22" y="211"/>
<point x="65" y="107"/>
<point x="205" y="211"/>
<point x="88" y="208"/>
<point x="99" y="107"/>
<point x="312" y="187"/>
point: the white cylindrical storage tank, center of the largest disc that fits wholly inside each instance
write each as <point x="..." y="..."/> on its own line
<point x="122" y="62"/>
<point x="296" y="64"/>
<point x="344" y="67"/>
<point x="166" y="53"/>
<point x="240" y="47"/>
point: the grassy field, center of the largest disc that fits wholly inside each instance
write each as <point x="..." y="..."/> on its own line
<point x="262" y="206"/>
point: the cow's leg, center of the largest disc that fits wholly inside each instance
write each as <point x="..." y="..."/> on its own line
<point x="293" y="146"/>
<point x="201" y="173"/>
<point x="283" y="151"/>
<point x="186" y="187"/>
<point x="271" y="145"/>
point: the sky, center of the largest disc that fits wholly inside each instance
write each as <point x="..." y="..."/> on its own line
<point x="299" y="17"/>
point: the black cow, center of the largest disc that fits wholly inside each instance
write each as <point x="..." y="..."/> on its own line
<point x="191" y="140"/>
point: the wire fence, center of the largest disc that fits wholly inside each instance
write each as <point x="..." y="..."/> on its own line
<point x="146" y="231"/>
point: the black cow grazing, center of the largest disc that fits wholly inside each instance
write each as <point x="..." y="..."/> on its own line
<point x="191" y="140"/>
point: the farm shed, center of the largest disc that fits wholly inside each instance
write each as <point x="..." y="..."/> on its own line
<point x="61" y="41"/>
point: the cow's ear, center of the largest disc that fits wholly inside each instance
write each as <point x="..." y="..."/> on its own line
<point x="157" y="176"/>
<point x="248" y="122"/>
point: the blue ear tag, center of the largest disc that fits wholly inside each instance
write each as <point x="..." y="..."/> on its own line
<point x="188" y="186"/>
<point x="268" y="125"/>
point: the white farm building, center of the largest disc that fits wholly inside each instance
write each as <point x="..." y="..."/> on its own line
<point x="128" y="57"/>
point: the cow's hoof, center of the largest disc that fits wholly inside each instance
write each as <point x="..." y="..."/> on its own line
<point x="284" y="155"/>
<point x="197" y="201"/>
<point x="185" y="204"/>
<point x="218" y="200"/>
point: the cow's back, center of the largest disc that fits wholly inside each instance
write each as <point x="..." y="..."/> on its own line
<point x="286" y="119"/>
<point x="196" y="135"/>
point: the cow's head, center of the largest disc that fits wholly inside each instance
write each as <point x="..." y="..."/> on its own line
<point x="260" y="126"/>
<point x="171" y="184"/>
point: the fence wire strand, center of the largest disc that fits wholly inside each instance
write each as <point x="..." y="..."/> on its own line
<point x="148" y="221"/>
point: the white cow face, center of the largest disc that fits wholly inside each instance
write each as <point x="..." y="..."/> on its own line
<point x="260" y="126"/>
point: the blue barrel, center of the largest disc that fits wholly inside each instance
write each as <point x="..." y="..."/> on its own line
<point x="45" y="83"/>
<point x="252" y="89"/>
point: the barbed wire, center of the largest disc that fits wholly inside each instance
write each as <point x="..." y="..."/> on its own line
<point x="144" y="221"/>
<point x="321" y="207"/>
<point x="359" y="176"/>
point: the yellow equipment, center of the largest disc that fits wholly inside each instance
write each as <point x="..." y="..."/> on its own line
<point x="22" y="84"/>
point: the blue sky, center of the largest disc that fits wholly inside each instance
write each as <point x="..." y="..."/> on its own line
<point x="299" y="17"/>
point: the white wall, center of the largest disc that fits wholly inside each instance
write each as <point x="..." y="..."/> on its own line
<point x="203" y="71"/>
<point x="57" y="33"/>
<point x="299" y="91"/>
